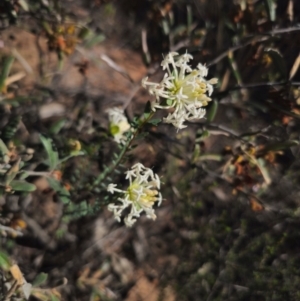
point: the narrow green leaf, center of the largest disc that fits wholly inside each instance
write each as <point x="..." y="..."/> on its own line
<point x="52" y="154"/>
<point x="196" y="153"/>
<point x="12" y="172"/>
<point x="261" y="163"/>
<point x="57" y="126"/>
<point x="146" y="58"/>
<point x="3" y="148"/>
<point x="23" y="4"/>
<point x="84" y="33"/>
<point x="166" y="27"/>
<point x="18" y="185"/>
<point x="141" y="135"/>
<point x="155" y="121"/>
<point x="11" y="128"/>
<point x="54" y="298"/>
<point x="62" y="192"/>
<point x="4" y="261"/>
<point x="23" y="175"/>
<point x="202" y="135"/>
<point x="8" y="61"/>
<point x="40" y="279"/>
<point x="96" y="39"/>
<point x="46" y="26"/>
<point x="179" y="30"/>
<point x="210" y="157"/>
<point x="271" y="8"/>
<point x="212" y="111"/>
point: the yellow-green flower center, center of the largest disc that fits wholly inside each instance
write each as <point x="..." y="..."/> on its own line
<point x="197" y="90"/>
<point x="114" y="129"/>
<point x="141" y="195"/>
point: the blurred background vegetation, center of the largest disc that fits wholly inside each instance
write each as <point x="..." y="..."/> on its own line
<point x="228" y="226"/>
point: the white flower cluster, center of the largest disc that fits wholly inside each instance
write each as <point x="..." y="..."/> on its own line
<point x="184" y="89"/>
<point x="141" y="194"/>
<point x="118" y="124"/>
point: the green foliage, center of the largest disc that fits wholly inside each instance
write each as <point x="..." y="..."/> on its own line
<point x="17" y="185"/>
<point x="52" y="153"/>
<point x="8" y="61"/>
<point x="40" y="279"/>
<point x="4" y="261"/>
<point x="10" y="128"/>
<point x="212" y="111"/>
<point x="63" y="194"/>
<point x="271" y="8"/>
<point x="230" y="182"/>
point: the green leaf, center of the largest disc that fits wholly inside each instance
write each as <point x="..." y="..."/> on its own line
<point x="62" y="192"/>
<point x="261" y="163"/>
<point x="18" y="185"/>
<point x="134" y="124"/>
<point x="202" y="135"/>
<point x="11" y="128"/>
<point x="147" y="110"/>
<point x="212" y="111"/>
<point x="165" y="26"/>
<point x="196" y="153"/>
<point x="57" y="126"/>
<point x="179" y="30"/>
<point x="23" y="175"/>
<point x="210" y="157"/>
<point x="3" y="148"/>
<point x="40" y="279"/>
<point x="155" y="121"/>
<point x="94" y="40"/>
<point x="52" y="154"/>
<point x="4" y="261"/>
<point x="146" y="58"/>
<point x="24" y="4"/>
<point x="84" y="33"/>
<point x="141" y="136"/>
<point x="47" y="27"/>
<point x="271" y="7"/>
<point x="8" y="61"/>
<point x="12" y="172"/>
<point x="54" y="298"/>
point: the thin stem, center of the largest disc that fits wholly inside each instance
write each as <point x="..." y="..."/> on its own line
<point x="114" y="165"/>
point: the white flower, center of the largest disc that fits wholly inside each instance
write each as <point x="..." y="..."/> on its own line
<point x="183" y="89"/>
<point x="141" y="194"/>
<point x="118" y="124"/>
